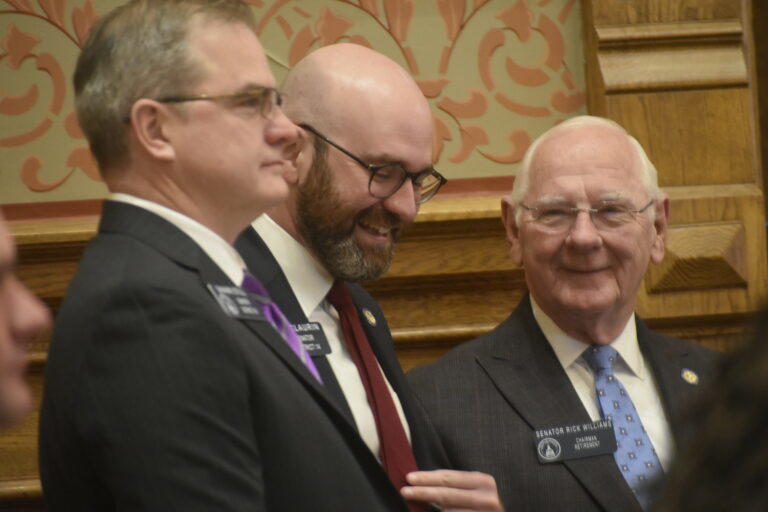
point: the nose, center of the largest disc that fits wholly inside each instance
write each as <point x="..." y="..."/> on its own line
<point x="403" y="202"/>
<point x="29" y="317"/>
<point x="281" y="131"/>
<point x="584" y="235"/>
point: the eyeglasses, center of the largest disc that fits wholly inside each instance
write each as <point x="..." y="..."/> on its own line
<point x="560" y="218"/>
<point x="386" y="179"/>
<point x="265" y="99"/>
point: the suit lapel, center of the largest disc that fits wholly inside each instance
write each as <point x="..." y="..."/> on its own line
<point x="427" y="450"/>
<point x="262" y="264"/>
<point x="525" y="370"/>
<point x="667" y="362"/>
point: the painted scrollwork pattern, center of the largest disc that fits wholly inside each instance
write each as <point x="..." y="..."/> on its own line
<point x="42" y="145"/>
<point x="496" y="72"/>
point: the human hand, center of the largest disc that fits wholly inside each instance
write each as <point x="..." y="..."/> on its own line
<point x="454" y="491"/>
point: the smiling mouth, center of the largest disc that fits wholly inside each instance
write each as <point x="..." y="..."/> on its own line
<point x="584" y="271"/>
<point x="376" y="230"/>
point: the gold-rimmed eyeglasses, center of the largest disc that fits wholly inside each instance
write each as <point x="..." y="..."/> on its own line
<point x="265" y="99"/>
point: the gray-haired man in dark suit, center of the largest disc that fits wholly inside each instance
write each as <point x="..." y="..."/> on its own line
<point x="572" y="403"/>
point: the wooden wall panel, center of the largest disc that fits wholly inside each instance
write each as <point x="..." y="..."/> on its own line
<point x="621" y="12"/>
<point x="694" y="137"/>
<point x="756" y="15"/>
<point x="676" y="75"/>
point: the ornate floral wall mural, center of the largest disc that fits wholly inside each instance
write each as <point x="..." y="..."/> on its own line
<point x="496" y="72"/>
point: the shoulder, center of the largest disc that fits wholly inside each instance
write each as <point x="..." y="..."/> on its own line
<point x="659" y="340"/>
<point x="362" y="297"/>
<point x="458" y="363"/>
<point x="668" y="350"/>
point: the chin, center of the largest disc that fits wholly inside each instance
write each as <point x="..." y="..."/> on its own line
<point x="585" y="301"/>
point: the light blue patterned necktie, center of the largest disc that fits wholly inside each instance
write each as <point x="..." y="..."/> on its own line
<point x="635" y="455"/>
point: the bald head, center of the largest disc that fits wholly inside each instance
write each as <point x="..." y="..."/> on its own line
<point x="362" y="110"/>
<point x="348" y="86"/>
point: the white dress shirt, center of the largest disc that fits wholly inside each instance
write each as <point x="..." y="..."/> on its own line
<point x="310" y="283"/>
<point x="631" y="369"/>
<point x="223" y="254"/>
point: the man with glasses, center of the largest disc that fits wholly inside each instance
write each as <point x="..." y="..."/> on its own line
<point x="358" y="183"/>
<point x="173" y="381"/>
<point x="572" y="403"/>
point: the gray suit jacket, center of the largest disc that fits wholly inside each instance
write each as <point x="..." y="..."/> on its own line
<point x="487" y="396"/>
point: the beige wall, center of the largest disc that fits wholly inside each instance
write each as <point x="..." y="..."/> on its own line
<point x="497" y="74"/>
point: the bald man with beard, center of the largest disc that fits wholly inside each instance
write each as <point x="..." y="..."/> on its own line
<point x="358" y="183"/>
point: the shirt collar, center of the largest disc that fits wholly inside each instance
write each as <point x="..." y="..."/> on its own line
<point x="308" y="279"/>
<point x="568" y="349"/>
<point x="224" y="255"/>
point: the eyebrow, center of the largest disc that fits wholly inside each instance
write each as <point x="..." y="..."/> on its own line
<point x="612" y="196"/>
<point x="560" y="200"/>
<point x="251" y="86"/>
<point x="550" y="199"/>
<point x="395" y="161"/>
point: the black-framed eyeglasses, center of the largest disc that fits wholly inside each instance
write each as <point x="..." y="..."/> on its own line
<point x="265" y="99"/>
<point x="560" y="218"/>
<point x="386" y="179"/>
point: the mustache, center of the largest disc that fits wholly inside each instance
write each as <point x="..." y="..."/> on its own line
<point x="376" y="215"/>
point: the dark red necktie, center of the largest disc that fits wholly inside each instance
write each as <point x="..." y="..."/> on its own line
<point x="395" y="450"/>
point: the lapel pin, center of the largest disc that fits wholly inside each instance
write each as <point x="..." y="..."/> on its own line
<point x="689" y="376"/>
<point x="369" y="316"/>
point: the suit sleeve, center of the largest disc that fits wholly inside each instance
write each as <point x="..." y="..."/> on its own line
<point x="166" y="410"/>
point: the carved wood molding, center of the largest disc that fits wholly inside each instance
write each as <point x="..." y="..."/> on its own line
<point x="701" y="257"/>
<point x="670" y="56"/>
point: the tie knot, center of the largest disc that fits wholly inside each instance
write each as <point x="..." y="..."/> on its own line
<point x="600" y="357"/>
<point x="339" y="296"/>
<point x="253" y="285"/>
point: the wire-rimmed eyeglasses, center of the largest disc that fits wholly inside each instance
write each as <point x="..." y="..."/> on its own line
<point x="560" y="218"/>
<point x="265" y="99"/>
<point x="387" y="178"/>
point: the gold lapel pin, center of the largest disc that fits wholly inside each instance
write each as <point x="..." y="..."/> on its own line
<point x="689" y="376"/>
<point x="369" y="316"/>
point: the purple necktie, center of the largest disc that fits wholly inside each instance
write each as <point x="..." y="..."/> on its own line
<point x="272" y="312"/>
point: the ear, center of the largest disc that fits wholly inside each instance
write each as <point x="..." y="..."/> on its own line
<point x="150" y="123"/>
<point x="661" y="225"/>
<point x="512" y="230"/>
<point x="299" y="156"/>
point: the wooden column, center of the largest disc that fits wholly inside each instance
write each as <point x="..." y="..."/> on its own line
<point x="675" y="74"/>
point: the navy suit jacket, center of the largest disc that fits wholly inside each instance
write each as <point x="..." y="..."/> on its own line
<point x="487" y="397"/>
<point x="157" y="400"/>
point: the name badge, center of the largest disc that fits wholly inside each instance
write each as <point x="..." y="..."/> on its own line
<point x="313" y="338"/>
<point x="577" y="441"/>
<point x="236" y="302"/>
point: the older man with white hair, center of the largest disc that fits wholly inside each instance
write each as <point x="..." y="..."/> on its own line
<point x="572" y="403"/>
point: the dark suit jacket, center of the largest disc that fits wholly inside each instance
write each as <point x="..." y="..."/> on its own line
<point x="262" y="263"/>
<point x="155" y="399"/>
<point x="486" y="398"/>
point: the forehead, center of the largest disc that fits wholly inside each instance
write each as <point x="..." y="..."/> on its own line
<point x="229" y="54"/>
<point x="379" y="124"/>
<point x="586" y="162"/>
